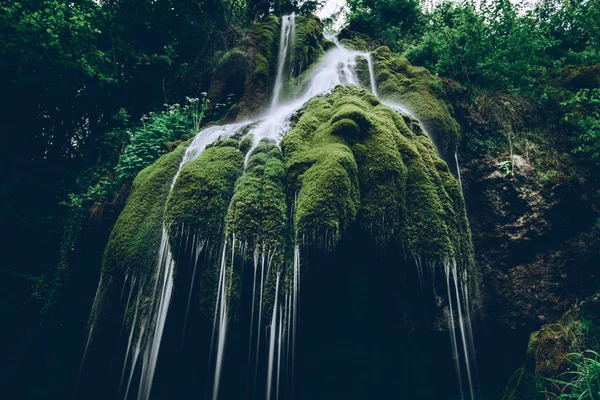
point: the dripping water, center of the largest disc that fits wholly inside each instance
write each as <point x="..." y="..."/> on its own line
<point x="465" y="345"/>
<point x="221" y="308"/>
<point x="162" y="290"/>
<point x="198" y="247"/>
<point x="458" y="172"/>
<point x="272" y="342"/>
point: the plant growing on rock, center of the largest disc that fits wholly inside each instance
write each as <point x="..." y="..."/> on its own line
<point x="583" y="382"/>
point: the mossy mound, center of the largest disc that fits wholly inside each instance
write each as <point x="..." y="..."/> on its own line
<point x="347" y="160"/>
<point x="349" y="157"/>
<point x="135" y="239"/>
<point x="258" y="211"/>
<point x="310" y="44"/>
<point x="421" y="93"/>
<point x="322" y="172"/>
<point x="548" y="352"/>
<point x="200" y="198"/>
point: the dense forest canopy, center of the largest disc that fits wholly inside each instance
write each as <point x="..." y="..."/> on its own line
<point x="95" y="91"/>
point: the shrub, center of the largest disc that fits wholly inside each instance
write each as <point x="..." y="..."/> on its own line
<point x="583" y="115"/>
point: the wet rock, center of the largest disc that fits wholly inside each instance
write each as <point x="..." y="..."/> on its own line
<point x="537" y="244"/>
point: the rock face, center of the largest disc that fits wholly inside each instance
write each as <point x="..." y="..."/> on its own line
<point x="536" y="243"/>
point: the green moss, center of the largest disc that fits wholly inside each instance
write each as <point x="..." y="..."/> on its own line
<point x="202" y="193"/>
<point x="262" y="43"/>
<point x="323" y="172"/>
<point x="308" y="46"/>
<point x="246" y="143"/>
<point x="230" y="142"/>
<point x="349" y="157"/>
<point x="248" y="70"/>
<point x="234" y="64"/>
<point x="421" y="92"/>
<point x="258" y="211"/>
<point x="426" y="232"/>
<point x="357" y="40"/>
<point x="135" y="239"/>
<point x="256" y="218"/>
<point x="382" y="177"/>
<point x="310" y="43"/>
<point x="576" y="331"/>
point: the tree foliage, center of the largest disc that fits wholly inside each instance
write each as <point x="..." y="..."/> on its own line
<point x="510" y="57"/>
<point x="395" y="22"/>
<point x="583" y="115"/>
<point x="493" y="47"/>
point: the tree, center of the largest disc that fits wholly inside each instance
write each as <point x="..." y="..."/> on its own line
<point x="395" y="22"/>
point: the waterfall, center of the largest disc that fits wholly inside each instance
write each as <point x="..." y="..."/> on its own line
<point x="372" y="74"/>
<point x="91" y="333"/>
<point x="279" y="343"/>
<point x="260" y="304"/>
<point x="458" y="172"/>
<point x="337" y="66"/>
<point x="286" y="42"/>
<point x="198" y="247"/>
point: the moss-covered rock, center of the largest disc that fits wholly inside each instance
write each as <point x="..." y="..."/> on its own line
<point x="135" y="239"/>
<point x="348" y="160"/>
<point x="322" y="171"/>
<point x="548" y="352"/>
<point x="420" y="92"/>
<point x="258" y="211"/>
<point x="310" y="44"/>
<point x="349" y="157"/>
<point x="201" y="195"/>
<point x="357" y="40"/>
<point x="248" y="70"/>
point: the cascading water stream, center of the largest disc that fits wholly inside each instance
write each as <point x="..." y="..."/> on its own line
<point x="198" y="247"/>
<point x="286" y="41"/>
<point x="337" y="67"/>
<point x="272" y="343"/>
<point x="91" y="333"/>
<point x="458" y="171"/>
<point x="220" y="322"/>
